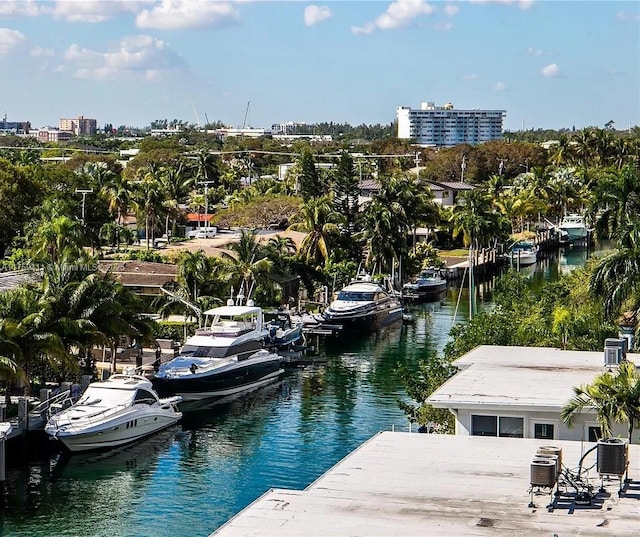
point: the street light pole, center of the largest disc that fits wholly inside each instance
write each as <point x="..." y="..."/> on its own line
<point x="84" y="192"/>
<point x="206" y="200"/>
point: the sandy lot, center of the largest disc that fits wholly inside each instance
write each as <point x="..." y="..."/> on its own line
<point x="214" y="246"/>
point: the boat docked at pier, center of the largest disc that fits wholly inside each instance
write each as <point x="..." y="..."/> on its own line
<point x="429" y="284"/>
<point x="226" y="357"/>
<point x="524" y="253"/>
<point x="573" y="228"/>
<point x="122" y="409"/>
<point x="285" y="330"/>
<point x="364" y="306"/>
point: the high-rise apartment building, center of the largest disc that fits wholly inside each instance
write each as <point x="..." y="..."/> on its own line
<point x="80" y="126"/>
<point x="444" y="126"/>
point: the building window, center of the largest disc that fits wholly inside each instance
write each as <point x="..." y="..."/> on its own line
<point x="594" y="433"/>
<point x="484" y="425"/>
<point x="497" y="426"/>
<point x="543" y="431"/>
<point x="511" y="427"/>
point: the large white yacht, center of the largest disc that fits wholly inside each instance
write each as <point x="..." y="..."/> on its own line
<point x="122" y="409"/>
<point x="225" y="357"/>
<point x="364" y="306"/>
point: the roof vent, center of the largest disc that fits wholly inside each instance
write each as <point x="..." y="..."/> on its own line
<point x="612" y="456"/>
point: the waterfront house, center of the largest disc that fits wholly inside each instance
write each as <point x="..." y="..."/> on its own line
<point x="520" y="391"/>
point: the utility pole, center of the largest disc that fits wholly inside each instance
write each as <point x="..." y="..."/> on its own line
<point x="501" y="166"/>
<point x="463" y="167"/>
<point x="417" y="161"/>
<point x="206" y="200"/>
<point x="84" y="192"/>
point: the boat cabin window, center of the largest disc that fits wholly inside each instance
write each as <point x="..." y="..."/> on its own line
<point x="355" y="296"/>
<point x="219" y="352"/>
<point x="144" y="397"/>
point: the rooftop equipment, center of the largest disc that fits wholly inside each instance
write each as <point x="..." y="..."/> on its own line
<point x="543" y="472"/>
<point x="612" y="460"/>
<point x="552" y="450"/>
<point x="615" y="350"/>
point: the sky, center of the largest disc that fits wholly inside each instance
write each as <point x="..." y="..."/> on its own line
<point x="548" y="64"/>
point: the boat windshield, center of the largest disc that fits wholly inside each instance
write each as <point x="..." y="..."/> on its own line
<point x="355" y="296"/>
<point x="204" y="352"/>
<point x="105" y="397"/>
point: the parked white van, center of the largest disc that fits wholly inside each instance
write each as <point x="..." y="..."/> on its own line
<point x="205" y="232"/>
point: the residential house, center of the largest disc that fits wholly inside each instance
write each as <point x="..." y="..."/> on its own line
<point x="520" y="391"/>
<point x="143" y="278"/>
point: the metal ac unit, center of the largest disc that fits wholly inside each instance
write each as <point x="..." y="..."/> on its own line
<point x="612" y="355"/>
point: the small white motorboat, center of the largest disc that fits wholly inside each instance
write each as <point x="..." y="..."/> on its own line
<point x="122" y="409"/>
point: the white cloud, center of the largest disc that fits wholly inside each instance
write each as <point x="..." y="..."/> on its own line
<point x="470" y="76"/>
<point x="551" y="70"/>
<point x="39" y="52"/>
<point x="184" y="14"/>
<point x="21" y="8"/>
<point x="95" y="11"/>
<point x="534" y="51"/>
<point x="398" y="15"/>
<point x="9" y="40"/>
<point x="522" y="4"/>
<point x="316" y="14"/>
<point x="500" y="86"/>
<point x="134" y="56"/>
<point x="624" y="16"/>
<point x="451" y="10"/>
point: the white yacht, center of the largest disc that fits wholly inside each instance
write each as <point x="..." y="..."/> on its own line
<point x="364" y="306"/>
<point x="573" y="228"/>
<point x="226" y="357"/>
<point x="524" y="253"/>
<point x="122" y="409"/>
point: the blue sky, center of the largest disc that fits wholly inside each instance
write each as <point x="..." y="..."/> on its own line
<point x="549" y="64"/>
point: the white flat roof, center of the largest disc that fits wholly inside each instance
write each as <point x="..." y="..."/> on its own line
<point x="403" y="484"/>
<point x="534" y="377"/>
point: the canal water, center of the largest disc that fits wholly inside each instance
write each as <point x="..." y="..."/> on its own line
<point x="189" y="480"/>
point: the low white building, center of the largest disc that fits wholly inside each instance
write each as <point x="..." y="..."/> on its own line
<point x="520" y="392"/>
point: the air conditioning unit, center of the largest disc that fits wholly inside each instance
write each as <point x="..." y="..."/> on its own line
<point x="612" y="355"/>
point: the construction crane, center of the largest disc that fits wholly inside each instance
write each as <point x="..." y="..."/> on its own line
<point x="246" y="113"/>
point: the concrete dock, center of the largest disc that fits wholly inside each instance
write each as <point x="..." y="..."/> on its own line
<point x="404" y="484"/>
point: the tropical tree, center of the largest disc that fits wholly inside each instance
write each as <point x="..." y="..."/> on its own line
<point x="321" y="223"/>
<point x="309" y="184"/>
<point x="57" y="239"/>
<point x="346" y="190"/>
<point x="247" y="263"/>
<point x="614" y="396"/>
<point x="147" y="201"/>
<point x="118" y="194"/>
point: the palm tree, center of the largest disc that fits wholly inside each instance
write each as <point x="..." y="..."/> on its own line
<point x="56" y="239"/>
<point x="321" y="223"/>
<point x="247" y="264"/>
<point x="118" y="194"/>
<point x="148" y="198"/>
<point x="615" y="397"/>
<point x="616" y="276"/>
